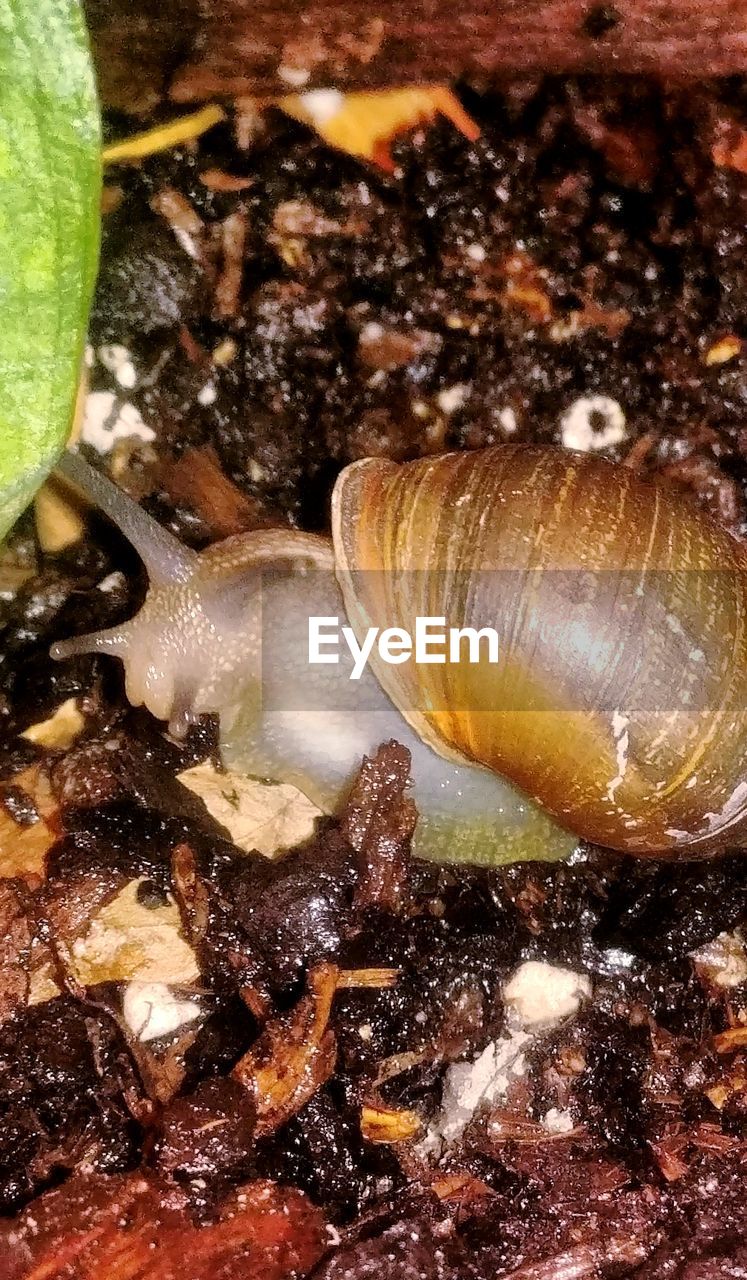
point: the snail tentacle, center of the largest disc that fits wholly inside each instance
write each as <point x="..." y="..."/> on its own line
<point x="165" y="558"/>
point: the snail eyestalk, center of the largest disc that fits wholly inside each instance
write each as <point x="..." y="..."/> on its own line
<point x="164" y="557"/>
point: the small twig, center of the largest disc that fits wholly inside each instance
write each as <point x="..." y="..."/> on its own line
<point x="352" y="979"/>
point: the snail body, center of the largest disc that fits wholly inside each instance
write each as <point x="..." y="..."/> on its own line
<point x="226" y="631"/>
<point x="617" y="710"/>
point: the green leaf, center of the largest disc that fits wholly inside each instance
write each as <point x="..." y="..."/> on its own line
<point x="50" y="183"/>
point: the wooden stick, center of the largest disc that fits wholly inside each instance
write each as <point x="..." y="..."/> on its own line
<point x="187" y="51"/>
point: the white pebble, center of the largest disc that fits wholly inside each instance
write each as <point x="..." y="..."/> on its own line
<point x="469" y="1086"/>
<point x="452" y="398"/>
<point x="106" y="420"/>
<point x="371" y="331"/>
<point x="296" y="77"/>
<point x="112" y="582"/>
<point x="207" y="395"/>
<point x="151" y="1010"/>
<point x="118" y="360"/>
<point x="541" y="994"/>
<point x="578" y="430"/>
<point x="723" y="960"/>
<point x="507" y="420"/>
<point x="557" y="1121"/>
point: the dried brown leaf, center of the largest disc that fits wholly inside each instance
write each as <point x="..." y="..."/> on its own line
<point x="16" y="936"/>
<point x="126" y="1228"/>
<point x="731" y="1040"/>
<point x="378" y="822"/>
<point x="23" y="849"/>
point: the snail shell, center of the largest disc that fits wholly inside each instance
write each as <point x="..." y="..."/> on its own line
<point x="619" y="701"/>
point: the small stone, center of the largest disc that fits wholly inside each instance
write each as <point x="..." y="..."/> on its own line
<point x="541" y="994"/>
<point x="152" y="1010"/>
<point x="592" y="423"/>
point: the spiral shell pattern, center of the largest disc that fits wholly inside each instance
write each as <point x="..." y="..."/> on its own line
<point x="619" y="698"/>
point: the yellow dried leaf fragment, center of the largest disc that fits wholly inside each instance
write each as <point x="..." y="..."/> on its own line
<point x="386" y="1125"/>
<point x="59" y="731"/>
<point x="361" y="124"/>
<point x="724" y="350"/>
<point x="129" y="942"/>
<point x="23" y="849"/>
<point x="364" y="124"/>
<point x="164" y="136"/>
<point x="260" y="816"/>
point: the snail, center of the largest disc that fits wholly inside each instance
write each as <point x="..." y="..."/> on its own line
<point x="616" y="710"/>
